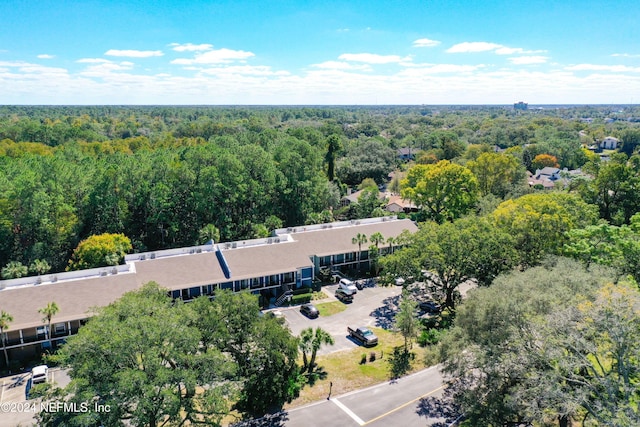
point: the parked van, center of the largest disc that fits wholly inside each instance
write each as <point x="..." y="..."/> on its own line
<point x="348" y="285"/>
<point x="39" y="374"/>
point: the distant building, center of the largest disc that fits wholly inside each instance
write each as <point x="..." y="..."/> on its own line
<point x="609" y="143"/>
<point x="520" y="105"/>
<point x="406" y="154"/>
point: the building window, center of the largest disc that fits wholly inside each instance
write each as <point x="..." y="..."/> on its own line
<point x="59" y="328"/>
<point x="40" y="332"/>
<point x="288" y="277"/>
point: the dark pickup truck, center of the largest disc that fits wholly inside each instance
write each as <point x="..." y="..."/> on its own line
<point x="364" y="335"/>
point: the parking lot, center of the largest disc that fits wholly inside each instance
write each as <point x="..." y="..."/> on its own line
<point x="372" y="306"/>
<point x="15" y="409"/>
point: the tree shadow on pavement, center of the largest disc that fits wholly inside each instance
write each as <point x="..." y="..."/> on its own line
<point x="270" y="420"/>
<point x="384" y="314"/>
<point x="441" y="409"/>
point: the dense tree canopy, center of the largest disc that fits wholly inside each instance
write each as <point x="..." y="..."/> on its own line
<point x="167" y="363"/>
<point x="444" y="191"/>
<point x="446" y="255"/>
<point x="538" y="222"/>
<point x="547" y="346"/>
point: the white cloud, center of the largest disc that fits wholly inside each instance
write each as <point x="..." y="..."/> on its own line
<point x="425" y="43"/>
<point x="526" y="60"/>
<point x="498" y="49"/>
<point x="626" y="55"/>
<point x="339" y="65"/>
<point x="189" y="47"/>
<point x="596" y="67"/>
<point x="419" y="69"/>
<point x="372" y="58"/>
<point x="247" y="70"/>
<point x="46" y="56"/>
<point x="468" y="47"/>
<point x="134" y="53"/>
<point x="102" y="69"/>
<point x="218" y="56"/>
<point x="92" y="60"/>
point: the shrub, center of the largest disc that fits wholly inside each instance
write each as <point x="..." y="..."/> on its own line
<point x="429" y="337"/>
<point x="372" y="356"/>
<point x="363" y="358"/>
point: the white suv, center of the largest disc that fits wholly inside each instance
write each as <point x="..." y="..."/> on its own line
<point x="348" y="285"/>
<point x="39" y="374"/>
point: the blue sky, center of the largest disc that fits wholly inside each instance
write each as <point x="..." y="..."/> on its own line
<point x="310" y="52"/>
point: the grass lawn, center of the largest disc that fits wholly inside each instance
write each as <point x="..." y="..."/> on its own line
<point x="330" y="308"/>
<point x="345" y="371"/>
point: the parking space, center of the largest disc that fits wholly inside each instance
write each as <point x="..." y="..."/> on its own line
<point x="14" y="387"/>
<point x="372" y="306"/>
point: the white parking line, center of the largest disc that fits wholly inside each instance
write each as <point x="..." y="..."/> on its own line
<point x="2" y="391"/>
<point x="348" y="412"/>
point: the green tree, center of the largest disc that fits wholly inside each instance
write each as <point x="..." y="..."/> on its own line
<point x="496" y="173"/>
<point x="406" y="321"/>
<point x="150" y="369"/>
<point x="39" y="266"/>
<point x="5" y="319"/>
<point x="48" y="312"/>
<point x="451" y="254"/>
<point x="444" y="191"/>
<point x="207" y="233"/>
<point x="310" y="342"/>
<point x="360" y="239"/>
<point x="14" y="270"/>
<point x="508" y="355"/>
<point x="376" y="238"/>
<point x="604" y="244"/>
<point x="538" y="222"/>
<point x="615" y="191"/>
<point x="262" y="348"/>
<point x="99" y="251"/>
<point x="333" y="148"/>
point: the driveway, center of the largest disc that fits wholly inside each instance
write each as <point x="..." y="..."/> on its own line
<point x="15" y="409"/>
<point x="372" y="306"/>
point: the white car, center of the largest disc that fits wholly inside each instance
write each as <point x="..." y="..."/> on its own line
<point x="348" y="286"/>
<point x="39" y="374"/>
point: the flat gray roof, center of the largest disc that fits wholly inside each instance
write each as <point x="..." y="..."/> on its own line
<point x="338" y="240"/>
<point x="76" y="298"/>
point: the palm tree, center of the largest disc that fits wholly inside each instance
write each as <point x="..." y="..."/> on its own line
<point x="376" y="238"/>
<point x="311" y="341"/>
<point x="390" y="242"/>
<point x="359" y="240"/>
<point x="207" y="233"/>
<point x="5" y="319"/>
<point x="39" y="266"/>
<point x="14" y="270"/>
<point x="49" y="311"/>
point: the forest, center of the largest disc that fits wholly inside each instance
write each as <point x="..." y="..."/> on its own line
<point x="163" y="176"/>
<point x="550" y="335"/>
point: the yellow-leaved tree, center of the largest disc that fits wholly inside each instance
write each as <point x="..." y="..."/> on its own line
<point x="100" y="251"/>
